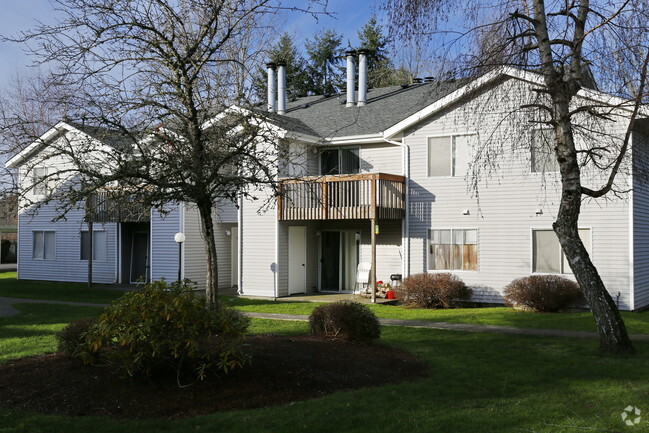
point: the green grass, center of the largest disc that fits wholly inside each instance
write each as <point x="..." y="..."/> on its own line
<point x="55" y="291"/>
<point x="477" y="383"/>
<point x="637" y="323"/>
<point x="33" y="331"/>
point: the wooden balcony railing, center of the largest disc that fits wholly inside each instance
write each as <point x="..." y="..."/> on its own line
<point x="346" y="196"/>
<point x="104" y="207"/>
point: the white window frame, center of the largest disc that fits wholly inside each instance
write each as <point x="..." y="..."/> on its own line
<point x="94" y="243"/>
<point x="532" y="147"/>
<point x="44" y="249"/>
<point x="561" y="255"/>
<point x="453" y="158"/>
<point x="453" y="229"/>
<point x="40" y="186"/>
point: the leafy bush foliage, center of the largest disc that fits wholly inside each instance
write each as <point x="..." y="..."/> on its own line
<point x="542" y="293"/>
<point x="166" y="326"/>
<point x="433" y="290"/>
<point x="347" y="320"/>
<point x="71" y="338"/>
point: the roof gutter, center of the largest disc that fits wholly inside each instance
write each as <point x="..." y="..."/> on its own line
<point x="405" y="230"/>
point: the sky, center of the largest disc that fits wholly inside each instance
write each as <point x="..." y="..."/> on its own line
<point x="347" y="16"/>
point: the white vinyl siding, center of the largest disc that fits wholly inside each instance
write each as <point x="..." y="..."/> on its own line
<point x="509" y="196"/>
<point x="164" y="250"/>
<point x="543" y="159"/>
<point x="44" y="245"/>
<point x="640" y="221"/>
<point x="98" y="246"/>
<point x="194" y="258"/>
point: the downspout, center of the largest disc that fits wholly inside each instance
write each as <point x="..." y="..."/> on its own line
<point x="240" y="246"/>
<point x="405" y="231"/>
<point x="181" y="225"/>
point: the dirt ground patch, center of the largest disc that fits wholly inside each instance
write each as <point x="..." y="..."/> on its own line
<point x="283" y="370"/>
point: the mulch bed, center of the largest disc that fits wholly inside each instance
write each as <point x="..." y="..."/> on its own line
<point x="283" y="370"/>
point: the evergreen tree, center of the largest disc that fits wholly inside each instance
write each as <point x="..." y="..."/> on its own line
<point x="326" y="62"/>
<point x="381" y="72"/>
<point x="298" y="81"/>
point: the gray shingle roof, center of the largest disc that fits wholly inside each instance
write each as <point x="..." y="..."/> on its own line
<point x="323" y="116"/>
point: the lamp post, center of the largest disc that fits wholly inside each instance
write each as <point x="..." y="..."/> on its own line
<point x="179" y="238"/>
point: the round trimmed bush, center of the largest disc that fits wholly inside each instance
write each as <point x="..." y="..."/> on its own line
<point x="71" y="338"/>
<point x="542" y="293"/>
<point x="346" y="320"/>
<point x="438" y="290"/>
<point x="166" y="327"/>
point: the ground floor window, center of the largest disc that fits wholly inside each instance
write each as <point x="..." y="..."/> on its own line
<point x="453" y="249"/>
<point x="98" y="245"/>
<point x="547" y="255"/>
<point x="44" y="247"/>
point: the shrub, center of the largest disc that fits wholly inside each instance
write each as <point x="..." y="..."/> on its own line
<point x="542" y="293"/>
<point x="166" y="326"/>
<point x="71" y="338"/>
<point x="347" y="320"/>
<point x="433" y="290"/>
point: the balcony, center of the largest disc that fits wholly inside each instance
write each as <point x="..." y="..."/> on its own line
<point x="341" y="197"/>
<point x="104" y="207"/>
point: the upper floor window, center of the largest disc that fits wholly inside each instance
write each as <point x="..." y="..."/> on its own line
<point x="453" y="249"/>
<point x="547" y="255"/>
<point x="343" y="160"/>
<point x="449" y="155"/>
<point x="543" y="158"/>
<point x="98" y="245"/>
<point x="39" y="180"/>
<point x="44" y="247"/>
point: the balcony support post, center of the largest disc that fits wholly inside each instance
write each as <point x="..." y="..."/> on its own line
<point x="373" y="238"/>
<point x="373" y="267"/>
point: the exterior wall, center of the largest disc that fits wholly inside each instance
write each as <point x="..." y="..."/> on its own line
<point x="312" y="258"/>
<point x="194" y="259"/>
<point x="258" y="247"/>
<point x="226" y="212"/>
<point x="505" y="211"/>
<point x="381" y="157"/>
<point x="67" y="265"/>
<point x="164" y="250"/>
<point x="640" y="221"/>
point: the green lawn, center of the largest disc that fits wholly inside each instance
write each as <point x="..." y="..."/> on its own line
<point x="637" y="323"/>
<point x="55" y="291"/>
<point x="478" y="383"/>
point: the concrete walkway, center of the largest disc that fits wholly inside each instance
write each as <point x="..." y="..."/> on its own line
<point x="7" y="310"/>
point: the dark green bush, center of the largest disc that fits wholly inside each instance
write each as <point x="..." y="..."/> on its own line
<point x="166" y="326"/>
<point x="71" y="338"/>
<point x="346" y="320"/>
<point x="543" y="293"/>
<point x="433" y="290"/>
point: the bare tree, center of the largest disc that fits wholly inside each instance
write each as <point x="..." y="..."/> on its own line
<point x="569" y="43"/>
<point x="157" y="81"/>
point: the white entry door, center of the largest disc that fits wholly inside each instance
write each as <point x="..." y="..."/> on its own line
<point x="296" y="259"/>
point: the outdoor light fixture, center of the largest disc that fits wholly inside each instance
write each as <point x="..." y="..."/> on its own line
<point x="228" y="232"/>
<point x="465" y="212"/>
<point x="539" y="211"/>
<point x="179" y="238"/>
